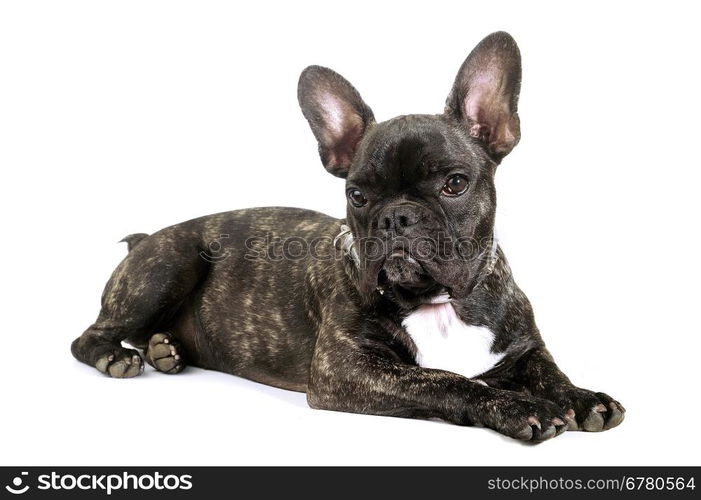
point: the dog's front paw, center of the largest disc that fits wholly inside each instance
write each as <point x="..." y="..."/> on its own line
<point x="120" y="363"/>
<point x="590" y="411"/>
<point x="525" y="418"/>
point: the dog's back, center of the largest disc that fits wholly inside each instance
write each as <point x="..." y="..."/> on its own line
<point x="231" y="291"/>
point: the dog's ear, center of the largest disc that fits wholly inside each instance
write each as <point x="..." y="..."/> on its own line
<point x="484" y="97"/>
<point x="336" y="114"/>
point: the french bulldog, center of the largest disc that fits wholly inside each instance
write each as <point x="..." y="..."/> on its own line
<point x="407" y="307"/>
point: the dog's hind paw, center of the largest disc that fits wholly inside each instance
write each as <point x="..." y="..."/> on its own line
<point x="165" y="354"/>
<point x="121" y="363"/>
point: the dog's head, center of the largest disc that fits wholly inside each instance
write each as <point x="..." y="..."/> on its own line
<point x="420" y="188"/>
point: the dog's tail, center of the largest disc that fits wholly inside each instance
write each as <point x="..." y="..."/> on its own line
<point x="132" y="240"/>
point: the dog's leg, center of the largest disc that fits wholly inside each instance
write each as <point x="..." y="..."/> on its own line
<point x="144" y="291"/>
<point x="356" y="372"/>
<point x="586" y="410"/>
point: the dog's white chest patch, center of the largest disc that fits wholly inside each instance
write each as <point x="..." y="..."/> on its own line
<point x="444" y="342"/>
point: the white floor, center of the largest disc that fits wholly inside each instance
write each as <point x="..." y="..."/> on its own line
<point x="65" y="413"/>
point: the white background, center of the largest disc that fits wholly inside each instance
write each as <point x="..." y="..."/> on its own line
<point x="122" y="117"/>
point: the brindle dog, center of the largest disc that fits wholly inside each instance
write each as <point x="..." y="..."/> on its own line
<point x="405" y="308"/>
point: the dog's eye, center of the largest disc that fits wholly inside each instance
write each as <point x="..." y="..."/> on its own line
<point x="455" y="185"/>
<point x="356" y="198"/>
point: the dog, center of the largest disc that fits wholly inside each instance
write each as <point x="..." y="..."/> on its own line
<point x="406" y="308"/>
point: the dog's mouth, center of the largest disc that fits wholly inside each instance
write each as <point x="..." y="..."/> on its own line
<point x="409" y="280"/>
<point x="403" y="269"/>
<point x="411" y="276"/>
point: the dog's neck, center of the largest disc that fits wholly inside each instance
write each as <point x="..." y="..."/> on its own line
<point x="347" y="243"/>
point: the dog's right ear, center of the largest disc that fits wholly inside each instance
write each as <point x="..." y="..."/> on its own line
<point x="336" y="114"/>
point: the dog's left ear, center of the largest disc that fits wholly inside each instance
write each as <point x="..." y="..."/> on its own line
<point x="484" y="97"/>
<point x="337" y="115"/>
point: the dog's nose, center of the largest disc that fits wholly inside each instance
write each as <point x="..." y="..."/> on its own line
<point x="398" y="217"/>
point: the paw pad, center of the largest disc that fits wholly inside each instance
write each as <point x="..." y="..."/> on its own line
<point x="164" y="353"/>
<point x="122" y="363"/>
